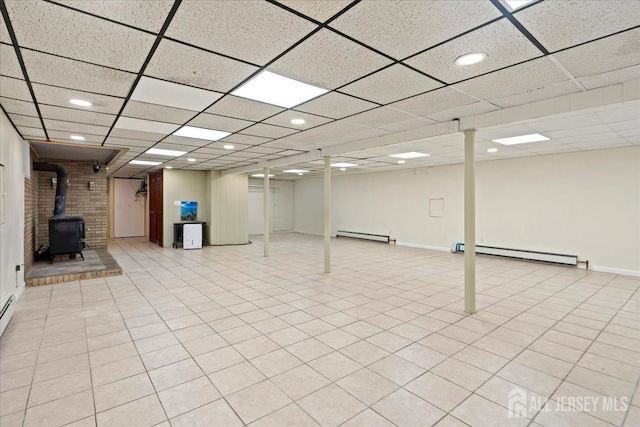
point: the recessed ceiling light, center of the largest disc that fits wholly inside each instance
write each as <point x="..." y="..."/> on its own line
<point x="298" y="171"/>
<point x="470" y="59"/>
<point x="77" y="137"/>
<point x="80" y="102"/>
<point x="517" y="4"/>
<point x="191" y="159"/>
<point x="168" y="167"/>
<point x="229" y="147"/>
<point x="145" y="125"/>
<point x="201" y="133"/>
<point x="161" y="152"/>
<point x="400" y="162"/>
<point x="409" y="155"/>
<point x="144" y="162"/>
<point x="278" y="90"/>
<point x="522" y="139"/>
<point x="492" y="150"/>
<point x="298" y="121"/>
<point x="343" y="165"/>
<point x="261" y="175"/>
<point x="343" y="169"/>
<point x="175" y="95"/>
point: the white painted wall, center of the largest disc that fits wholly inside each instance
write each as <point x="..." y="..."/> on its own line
<point x="585" y="203"/>
<point x="13" y="154"/>
<point x="129" y="209"/>
<point x="281" y="214"/>
<point x="229" y="208"/>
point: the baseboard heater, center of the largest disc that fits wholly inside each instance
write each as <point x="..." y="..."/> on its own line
<point x="522" y="254"/>
<point x="363" y="236"/>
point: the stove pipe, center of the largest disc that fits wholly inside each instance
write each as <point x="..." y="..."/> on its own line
<point x="61" y="186"/>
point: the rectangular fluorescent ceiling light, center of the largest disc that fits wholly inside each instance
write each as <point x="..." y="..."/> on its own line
<point x="278" y="90"/>
<point x="261" y="175"/>
<point x="296" y="171"/>
<point x="154" y="91"/>
<point x="201" y="133"/>
<point x="343" y="165"/>
<point x="145" y="125"/>
<point x="409" y="155"/>
<point x="522" y="139"/>
<point x="144" y="162"/>
<point x="517" y="4"/>
<point x="161" y="152"/>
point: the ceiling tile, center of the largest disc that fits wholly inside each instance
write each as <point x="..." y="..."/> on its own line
<point x="514" y="80"/>
<point x="9" y="66"/>
<point x="320" y="10"/>
<point x="611" y="77"/>
<point x="175" y="95"/>
<point x="408" y="124"/>
<point x="127" y="142"/>
<point x="148" y="15"/>
<point x="128" y="123"/>
<point x="538" y="94"/>
<point x="75" y="128"/>
<point x="160" y="113"/>
<point x="60" y="96"/>
<point x="464" y="111"/>
<point x="14" y="88"/>
<point x="134" y="134"/>
<point x="411" y="26"/>
<point x="284" y="119"/>
<point x="14" y="106"/>
<point x="195" y="67"/>
<point x="503" y="44"/>
<point x="614" y="115"/>
<point x="183" y="140"/>
<point x="328" y="60"/>
<point x="241" y="108"/>
<point x="26" y="121"/>
<point x="380" y="117"/>
<point x="60" y="136"/>
<point x="213" y="121"/>
<point x="52" y="70"/>
<point x="263" y="150"/>
<point x="268" y="131"/>
<point x="335" y="105"/>
<point x="4" y="34"/>
<point x="560" y="24"/>
<point x="245" y="139"/>
<point x="612" y="53"/>
<point x="76" y="116"/>
<point x="31" y="133"/>
<point x="434" y="102"/>
<point x="391" y="84"/>
<point x="255" y="32"/>
<point x="64" y="32"/>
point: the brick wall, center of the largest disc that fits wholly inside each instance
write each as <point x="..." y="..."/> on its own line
<point x="81" y="201"/>
<point x="30" y="216"/>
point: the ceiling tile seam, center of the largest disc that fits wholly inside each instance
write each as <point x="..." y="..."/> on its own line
<point x="104" y="18"/>
<point x="11" y="121"/>
<point x="203" y="49"/>
<point x="14" y="41"/>
<point x="165" y="25"/>
<point x="67" y="88"/>
<point x="474" y="97"/>
<point x="519" y="26"/>
<point x="597" y="39"/>
<point x="566" y="72"/>
<point x="76" y="110"/>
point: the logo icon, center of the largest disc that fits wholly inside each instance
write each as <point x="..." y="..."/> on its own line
<point x="517" y="403"/>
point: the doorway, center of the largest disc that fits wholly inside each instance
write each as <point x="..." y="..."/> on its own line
<point x="155" y="207"/>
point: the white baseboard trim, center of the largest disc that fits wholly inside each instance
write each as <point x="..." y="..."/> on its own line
<point x="621" y="271"/>
<point x="417" y="245"/>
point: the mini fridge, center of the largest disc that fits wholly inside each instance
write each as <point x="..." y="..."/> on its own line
<point x="192" y="236"/>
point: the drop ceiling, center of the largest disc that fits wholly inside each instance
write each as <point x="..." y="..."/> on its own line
<point x="150" y="68"/>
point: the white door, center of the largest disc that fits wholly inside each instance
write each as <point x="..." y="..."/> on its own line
<point x="129" y="208"/>
<point x="256" y="210"/>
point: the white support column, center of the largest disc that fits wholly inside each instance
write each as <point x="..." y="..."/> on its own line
<point x="469" y="222"/>
<point x="327" y="214"/>
<point x="267" y="220"/>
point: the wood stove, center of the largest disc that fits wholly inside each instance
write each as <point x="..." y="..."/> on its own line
<point x="66" y="233"/>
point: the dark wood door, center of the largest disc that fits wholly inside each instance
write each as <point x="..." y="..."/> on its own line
<point x="155" y="207"/>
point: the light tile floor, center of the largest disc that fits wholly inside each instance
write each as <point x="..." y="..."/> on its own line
<point x="225" y="337"/>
